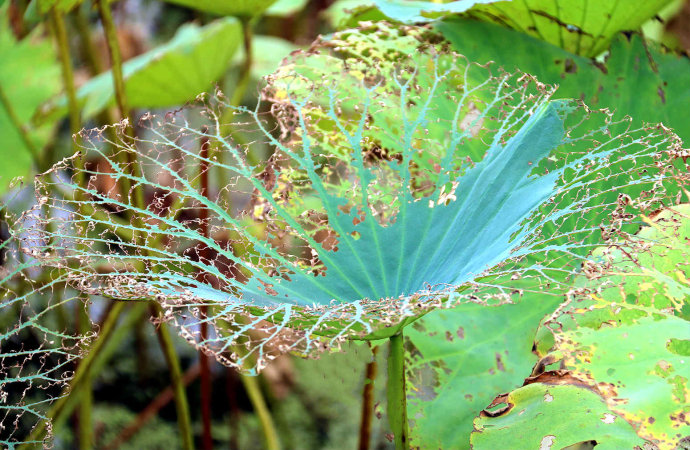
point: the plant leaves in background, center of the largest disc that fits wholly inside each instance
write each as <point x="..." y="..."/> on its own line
<point x="458" y="359"/>
<point x="577" y="26"/>
<point x="550" y="414"/>
<point x="285" y="8"/>
<point x="267" y="54"/>
<point x="627" y="344"/>
<point x="636" y="358"/>
<point x="169" y="75"/>
<point x="61" y="5"/>
<point x="580" y="27"/>
<point x="239" y="8"/>
<point x="659" y="79"/>
<point x="29" y="75"/>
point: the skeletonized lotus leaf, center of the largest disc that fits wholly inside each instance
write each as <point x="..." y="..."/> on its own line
<point x="656" y="277"/>
<point x="337" y="235"/>
<point x="37" y="351"/>
<point x="171" y="74"/>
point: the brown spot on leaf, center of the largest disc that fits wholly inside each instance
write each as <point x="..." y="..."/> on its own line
<point x="560" y="377"/>
<point x="570" y="66"/>
<point x="495" y="409"/>
<point x="461" y="333"/>
<point x="499" y="363"/>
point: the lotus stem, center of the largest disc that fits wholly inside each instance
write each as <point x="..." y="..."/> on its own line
<point x="84" y="422"/>
<point x="184" y="421"/>
<point x="251" y="386"/>
<point x="120" y="97"/>
<point x="246" y="70"/>
<point x="368" y="401"/>
<point x="204" y="360"/>
<point x="21" y="129"/>
<point x="397" y="397"/>
<point x="115" y="57"/>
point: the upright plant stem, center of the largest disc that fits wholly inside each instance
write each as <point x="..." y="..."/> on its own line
<point x="83" y="416"/>
<point x="88" y="48"/>
<point x="184" y="421"/>
<point x="115" y="56"/>
<point x="84" y="422"/>
<point x="251" y="386"/>
<point x="58" y="21"/>
<point x="120" y="95"/>
<point x="397" y="399"/>
<point x="368" y="401"/>
<point x="207" y="437"/>
<point x="19" y="126"/>
<point x="246" y="69"/>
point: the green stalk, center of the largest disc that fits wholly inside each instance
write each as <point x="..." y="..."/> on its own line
<point x="368" y="401"/>
<point x="256" y="398"/>
<point x="184" y="421"/>
<point x="84" y="423"/>
<point x="115" y="56"/>
<point x="251" y="386"/>
<point x="122" y="331"/>
<point x="397" y="397"/>
<point x="21" y="129"/>
<point x="88" y="48"/>
<point x="120" y="95"/>
<point x="246" y="70"/>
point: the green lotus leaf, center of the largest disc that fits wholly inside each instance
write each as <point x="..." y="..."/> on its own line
<point x="29" y="75"/>
<point x="240" y="8"/>
<point x="285" y="8"/>
<point x="171" y="74"/>
<point x="656" y="76"/>
<point x="633" y="356"/>
<point x="458" y="359"/>
<point x="549" y="415"/>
